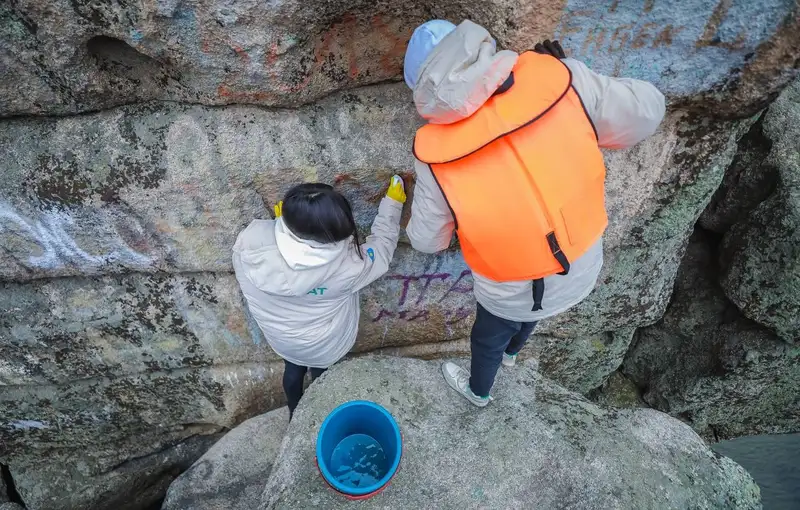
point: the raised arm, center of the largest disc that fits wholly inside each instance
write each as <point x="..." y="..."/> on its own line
<point x="378" y="249"/>
<point x="431" y="226"/>
<point x="624" y="111"/>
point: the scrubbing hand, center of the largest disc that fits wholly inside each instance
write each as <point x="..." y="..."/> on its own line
<point x="397" y="190"/>
<point x="278" y="209"/>
<point x="550" y="48"/>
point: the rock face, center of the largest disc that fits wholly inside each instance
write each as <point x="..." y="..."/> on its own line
<point x="90" y="479"/>
<point x="67" y="57"/>
<point x="761" y="253"/>
<point x="536" y="446"/>
<point x="122" y="331"/>
<point x="231" y="475"/>
<point x="122" y="382"/>
<point x="748" y="181"/>
<point x="707" y="364"/>
<point x="165" y="189"/>
<point x="120" y="298"/>
<point x="3" y="489"/>
<point x="732" y="321"/>
<point x="618" y="391"/>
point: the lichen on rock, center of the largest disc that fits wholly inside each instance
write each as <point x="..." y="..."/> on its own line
<point x="760" y="255"/>
<point x="707" y="364"/>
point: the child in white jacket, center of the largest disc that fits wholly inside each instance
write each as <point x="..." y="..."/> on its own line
<point x="301" y="274"/>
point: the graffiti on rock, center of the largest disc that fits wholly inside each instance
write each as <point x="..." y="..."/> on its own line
<point x="420" y="292"/>
<point x="679" y="46"/>
<point x="27" y="425"/>
<point x="351" y="49"/>
<point x="54" y="231"/>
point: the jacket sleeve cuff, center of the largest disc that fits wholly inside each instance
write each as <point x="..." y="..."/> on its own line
<point x="389" y="206"/>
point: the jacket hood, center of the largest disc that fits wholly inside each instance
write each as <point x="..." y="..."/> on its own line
<point x="286" y="264"/>
<point x="461" y="74"/>
<point x="302" y="254"/>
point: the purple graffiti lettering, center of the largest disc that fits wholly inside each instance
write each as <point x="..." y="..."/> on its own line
<point x="459" y="289"/>
<point x="383" y="313"/>
<point x="428" y="279"/>
<point x="407" y="279"/>
<point x="423" y="315"/>
<point x="458" y="315"/>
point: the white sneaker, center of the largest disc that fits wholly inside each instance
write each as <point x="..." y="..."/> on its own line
<point x="509" y="360"/>
<point x="458" y="379"/>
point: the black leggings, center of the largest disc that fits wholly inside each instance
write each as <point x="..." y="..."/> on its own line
<point x="293" y="376"/>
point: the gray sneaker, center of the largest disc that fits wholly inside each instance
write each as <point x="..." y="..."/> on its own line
<point x="509" y="360"/>
<point x="458" y="379"/>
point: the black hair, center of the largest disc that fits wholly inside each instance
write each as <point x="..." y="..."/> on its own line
<point x="317" y="212"/>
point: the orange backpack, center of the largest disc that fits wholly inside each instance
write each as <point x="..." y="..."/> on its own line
<point x="523" y="176"/>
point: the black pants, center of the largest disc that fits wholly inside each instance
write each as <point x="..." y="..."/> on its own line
<point x="293" y="376"/>
<point x="491" y="337"/>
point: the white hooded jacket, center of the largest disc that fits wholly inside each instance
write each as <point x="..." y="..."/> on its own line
<point x="303" y="294"/>
<point x="457" y="78"/>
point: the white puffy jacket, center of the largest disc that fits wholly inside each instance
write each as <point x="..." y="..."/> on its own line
<point x="453" y="83"/>
<point x="304" y="295"/>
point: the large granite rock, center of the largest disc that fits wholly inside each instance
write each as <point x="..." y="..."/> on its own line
<point x="708" y="365"/>
<point x="64" y="56"/>
<point x="121" y="327"/>
<point x="653" y="207"/>
<point x="749" y="180"/>
<point x="62" y="330"/>
<point x="122" y="382"/>
<point x="760" y="255"/>
<point x="166" y="189"/>
<point x="117" y="227"/>
<point x="99" y="412"/>
<point x="232" y="474"/>
<point x="69" y="481"/>
<point x="536" y="446"/>
<point x="86" y="361"/>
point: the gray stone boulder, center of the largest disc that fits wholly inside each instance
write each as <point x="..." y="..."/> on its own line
<point x="580" y="363"/>
<point x="749" y="180"/>
<point x="166" y="189"/>
<point x="705" y="363"/>
<point x="118" y="298"/>
<point x="93" y="362"/>
<point x="760" y="256"/>
<point x="618" y="391"/>
<point x="653" y="207"/>
<point x="105" y="477"/>
<point x="122" y="332"/>
<point x="232" y="474"/>
<point x="536" y="446"/>
<point x="62" y="56"/>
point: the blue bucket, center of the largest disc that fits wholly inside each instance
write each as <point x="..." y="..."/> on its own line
<point x="358" y="449"/>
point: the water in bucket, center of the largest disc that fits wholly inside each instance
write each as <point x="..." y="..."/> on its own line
<point x="359" y="461"/>
<point x="359" y="447"/>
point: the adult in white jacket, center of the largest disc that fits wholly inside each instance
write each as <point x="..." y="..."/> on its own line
<point x="453" y="71"/>
<point x="300" y="275"/>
